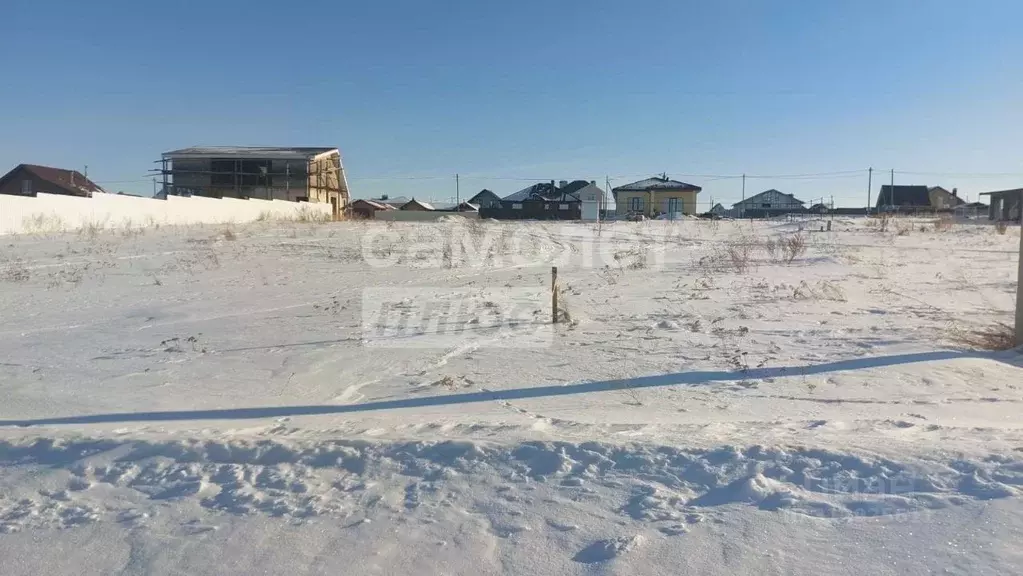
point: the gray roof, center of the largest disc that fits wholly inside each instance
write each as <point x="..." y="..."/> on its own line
<point x="1012" y="192"/>
<point x="545" y="191"/>
<point x="393" y="201"/>
<point x="755" y="198"/>
<point x="526" y="193"/>
<point x="657" y="183"/>
<point x="285" y="153"/>
<point x="904" y="196"/>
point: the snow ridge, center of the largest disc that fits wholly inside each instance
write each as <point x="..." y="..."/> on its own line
<point x="669" y="488"/>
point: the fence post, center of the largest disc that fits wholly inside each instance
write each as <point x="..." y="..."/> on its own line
<point x="554" y="294"/>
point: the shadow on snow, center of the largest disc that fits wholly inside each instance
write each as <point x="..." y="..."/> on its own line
<point x="677" y="379"/>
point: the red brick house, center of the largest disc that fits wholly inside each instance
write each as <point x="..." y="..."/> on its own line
<point x="30" y="179"/>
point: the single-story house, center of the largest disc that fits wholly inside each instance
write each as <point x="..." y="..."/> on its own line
<point x="719" y="210"/>
<point x="363" y="208"/>
<point x="460" y="207"/>
<point x="396" y="202"/>
<point x="769" y="203"/>
<point x="655" y="196"/>
<point x="31" y="179"/>
<point x="417" y="205"/>
<point x="486" y="199"/>
<point x="942" y="199"/>
<point x="1005" y="204"/>
<point x="466" y="207"/>
<point x="911" y="198"/>
<point x="547" y="201"/>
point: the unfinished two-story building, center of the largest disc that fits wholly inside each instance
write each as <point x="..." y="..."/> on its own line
<point x="265" y="173"/>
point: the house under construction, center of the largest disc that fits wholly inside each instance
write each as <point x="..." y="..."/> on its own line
<point x="296" y="174"/>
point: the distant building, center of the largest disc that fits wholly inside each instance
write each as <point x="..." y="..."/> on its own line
<point x="31" y="179"/>
<point x="719" y="210"/>
<point x="367" y="209"/>
<point x="1005" y="204"/>
<point x="549" y="201"/>
<point x="296" y="174"/>
<point x="942" y="199"/>
<point x="911" y="198"/>
<point x="769" y="203"/>
<point x="655" y="196"/>
<point x="486" y="199"/>
<point x="396" y="202"/>
<point x="416" y="205"/>
<point x="460" y="207"/>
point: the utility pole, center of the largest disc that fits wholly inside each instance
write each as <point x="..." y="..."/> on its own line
<point x="458" y="198"/>
<point x="742" y="212"/>
<point x="870" y="184"/>
<point x="603" y="204"/>
<point x="154" y="186"/>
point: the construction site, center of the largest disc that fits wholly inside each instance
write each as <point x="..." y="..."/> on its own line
<point x="308" y="174"/>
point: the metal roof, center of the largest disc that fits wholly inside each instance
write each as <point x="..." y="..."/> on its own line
<point x="899" y="195"/>
<point x="657" y="183"/>
<point x="758" y="198"/>
<point x="71" y="181"/>
<point x="249" y="152"/>
<point x="396" y="201"/>
<point x="1003" y="192"/>
<point x="544" y="191"/>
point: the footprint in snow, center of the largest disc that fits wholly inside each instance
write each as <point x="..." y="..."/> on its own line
<point x="604" y="550"/>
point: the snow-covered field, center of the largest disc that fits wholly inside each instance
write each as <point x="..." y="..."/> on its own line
<point x="370" y="398"/>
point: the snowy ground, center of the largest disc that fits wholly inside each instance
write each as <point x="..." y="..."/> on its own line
<point x="279" y="399"/>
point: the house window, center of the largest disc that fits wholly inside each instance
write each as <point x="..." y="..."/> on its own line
<point x="765" y="205"/>
<point x="636" y="204"/>
<point x="674" y="205"/>
<point x="516" y="206"/>
<point x="26" y="187"/>
<point x="562" y="206"/>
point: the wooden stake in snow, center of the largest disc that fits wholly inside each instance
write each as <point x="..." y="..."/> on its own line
<point x="554" y="294"/>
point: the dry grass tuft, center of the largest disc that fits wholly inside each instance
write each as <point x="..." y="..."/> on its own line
<point x="307" y="214"/>
<point x="944" y="224"/>
<point x="14" y="271"/>
<point x="1001" y="227"/>
<point x="882" y="221"/>
<point x="793" y="247"/>
<point x="634" y="258"/>
<point x="999" y="337"/>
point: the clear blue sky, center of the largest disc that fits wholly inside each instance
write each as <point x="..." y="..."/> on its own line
<point x="544" y="89"/>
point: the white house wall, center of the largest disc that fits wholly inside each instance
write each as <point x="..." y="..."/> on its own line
<point x="49" y="212"/>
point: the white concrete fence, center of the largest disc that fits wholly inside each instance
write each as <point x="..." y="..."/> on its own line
<point x="53" y="213"/>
